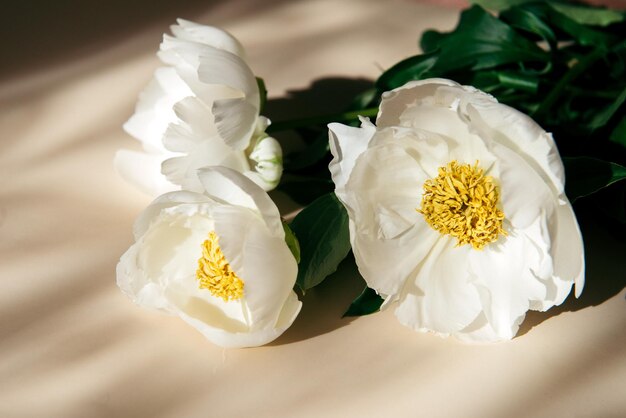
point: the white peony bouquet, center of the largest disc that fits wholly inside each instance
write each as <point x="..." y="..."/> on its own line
<point x="453" y="200"/>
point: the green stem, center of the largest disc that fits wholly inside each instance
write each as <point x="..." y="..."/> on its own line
<point x="286" y="125"/>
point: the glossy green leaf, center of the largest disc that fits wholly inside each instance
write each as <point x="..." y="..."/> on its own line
<point x="586" y="175"/>
<point x="366" y="303"/>
<point x="482" y="41"/>
<point x="413" y="68"/>
<point x="322" y="230"/>
<point x="586" y="15"/>
<point x="619" y="133"/>
<point x="530" y="22"/>
<point x="292" y="242"/>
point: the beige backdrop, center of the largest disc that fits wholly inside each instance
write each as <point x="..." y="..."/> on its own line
<point x="71" y="345"/>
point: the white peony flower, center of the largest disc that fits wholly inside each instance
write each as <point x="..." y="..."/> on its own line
<point x="458" y="216"/>
<point x="218" y="260"/>
<point x="202" y="109"/>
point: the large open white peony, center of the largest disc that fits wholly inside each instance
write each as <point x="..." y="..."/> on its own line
<point x="201" y="109"/>
<point x="218" y="260"/>
<point x="458" y="216"/>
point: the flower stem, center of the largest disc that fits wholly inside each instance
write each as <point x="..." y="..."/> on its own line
<point x="290" y="124"/>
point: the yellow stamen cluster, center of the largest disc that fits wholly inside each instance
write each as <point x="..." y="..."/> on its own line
<point x="214" y="272"/>
<point x="461" y="201"/>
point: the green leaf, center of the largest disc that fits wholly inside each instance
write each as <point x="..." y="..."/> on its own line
<point x="262" y="93"/>
<point x="305" y="191"/>
<point x="430" y="40"/>
<point x="619" y="133"/>
<point x="587" y="175"/>
<point x="602" y="117"/>
<point x="322" y="229"/>
<point x="413" y="68"/>
<point x="366" y="303"/>
<point x="586" y="15"/>
<point x="482" y="41"/>
<point x="584" y="35"/>
<point x="311" y="155"/>
<point x="498" y="5"/>
<point x="529" y="21"/>
<point x="292" y="242"/>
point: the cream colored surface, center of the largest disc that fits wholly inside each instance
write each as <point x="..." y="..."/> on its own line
<point x="71" y="345"/>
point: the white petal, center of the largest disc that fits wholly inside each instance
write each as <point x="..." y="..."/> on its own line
<point x="162" y="202"/>
<point x="395" y="103"/>
<point x="441" y="297"/>
<point x="154" y="110"/>
<point x="346" y="144"/>
<point x="262" y="260"/>
<point x="143" y="170"/>
<point x="506" y="283"/>
<point x="207" y="35"/>
<point x="235" y="120"/>
<point x="229" y="186"/>
<point x="515" y="130"/>
<point x="221" y="67"/>
<point x="524" y="194"/>
<point x="567" y="250"/>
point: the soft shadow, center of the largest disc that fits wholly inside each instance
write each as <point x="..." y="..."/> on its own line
<point x="324" y="305"/>
<point x="39" y="35"/>
<point x="325" y="96"/>
<point x="605" y="274"/>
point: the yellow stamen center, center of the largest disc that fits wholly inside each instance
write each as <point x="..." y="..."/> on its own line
<point x="461" y="201"/>
<point x="214" y="272"/>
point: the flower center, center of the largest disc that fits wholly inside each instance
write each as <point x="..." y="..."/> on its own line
<point x="214" y="272"/>
<point x="461" y="201"/>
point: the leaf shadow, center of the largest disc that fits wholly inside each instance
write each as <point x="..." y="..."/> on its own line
<point x="605" y="274"/>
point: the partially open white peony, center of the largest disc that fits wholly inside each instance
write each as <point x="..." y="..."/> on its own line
<point x="218" y="260"/>
<point x="202" y="109"/>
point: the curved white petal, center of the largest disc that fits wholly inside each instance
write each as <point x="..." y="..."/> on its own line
<point x="262" y="260"/>
<point x="235" y="120"/>
<point x="221" y="67"/>
<point x="228" y="186"/>
<point x="207" y="35"/>
<point x="440" y="297"/>
<point x="143" y="170"/>
<point x="346" y="144"/>
<point x="505" y="281"/>
<point x="567" y="250"/>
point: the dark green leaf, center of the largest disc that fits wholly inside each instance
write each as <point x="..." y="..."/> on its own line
<point x="482" y="41"/>
<point x="498" y="5"/>
<point x="262" y="93"/>
<point x="412" y="68"/>
<point x="366" y="303"/>
<point x="584" y="35"/>
<point x="322" y="229"/>
<point x="305" y="191"/>
<point x="528" y="21"/>
<point x="312" y="154"/>
<point x="292" y="242"/>
<point x="586" y="15"/>
<point x="587" y="175"/>
<point x="602" y="117"/>
<point x="430" y="40"/>
<point x="619" y="133"/>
